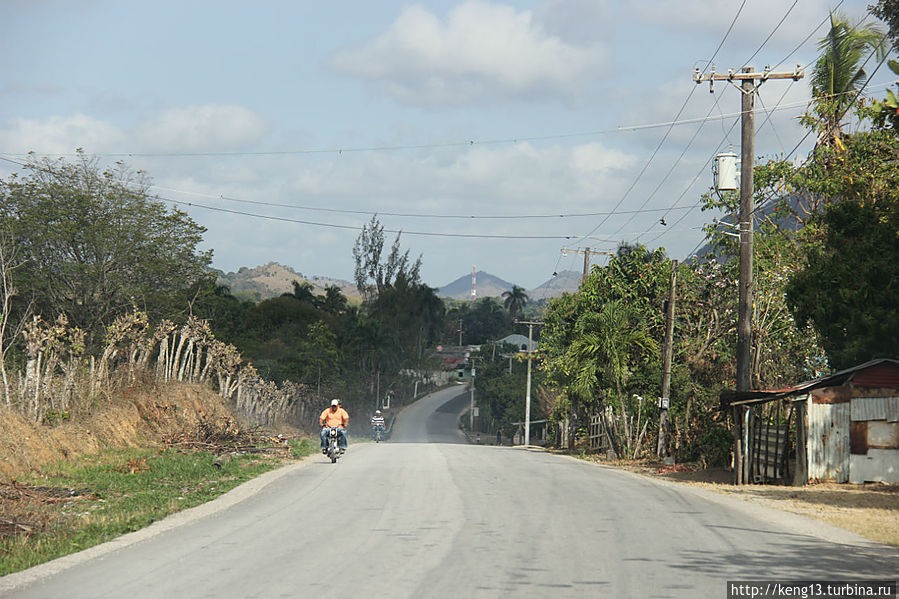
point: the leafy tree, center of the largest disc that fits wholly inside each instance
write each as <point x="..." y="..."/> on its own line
<point x="411" y="315"/>
<point x="515" y="300"/>
<point x="373" y="272"/>
<point x="481" y="321"/>
<point x="886" y="112"/>
<point x="95" y="243"/>
<point x="302" y="291"/>
<point x="848" y="291"/>
<point x="888" y="12"/>
<point x="607" y="344"/>
<point x="320" y="354"/>
<point x="785" y="219"/>
<point x="594" y="341"/>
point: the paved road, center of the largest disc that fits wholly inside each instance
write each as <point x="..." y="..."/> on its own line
<point x="427" y="515"/>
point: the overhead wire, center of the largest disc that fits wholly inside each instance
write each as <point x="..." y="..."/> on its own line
<point x="404" y="214"/>
<point x="777" y="106"/>
<point x="773" y="31"/>
<point x="364" y="149"/>
<point x="668" y="132"/>
<point x="671" y="170"/>
<point x="851" y="103"/>
<point x="801" y="141"/>
<point x="358" y="228"/>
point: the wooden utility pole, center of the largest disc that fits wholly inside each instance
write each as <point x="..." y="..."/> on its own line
<point x="664" y="401"/>
<point x="527" y="397"/>
<point x="587" y="252"/>
<point x="747" y="79"/>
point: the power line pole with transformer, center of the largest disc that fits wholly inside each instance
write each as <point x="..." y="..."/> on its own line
<point x="747" y="79"/>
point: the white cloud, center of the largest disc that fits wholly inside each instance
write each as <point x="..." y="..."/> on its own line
<point x="711" y="18"/>
<point x="210" y="127"/>
<point x="481" y="51"/>
<point x="58" y="135"/>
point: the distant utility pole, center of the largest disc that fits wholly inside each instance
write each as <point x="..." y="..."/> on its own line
<point x="664" y="401"/>
<point x="748" y="86"/>
<point x="472" y="408"/>
<point x="527" y="398"/>
<point x="587" y="252"/>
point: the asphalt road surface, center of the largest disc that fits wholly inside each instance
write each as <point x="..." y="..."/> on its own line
<point x="429" y="515"/>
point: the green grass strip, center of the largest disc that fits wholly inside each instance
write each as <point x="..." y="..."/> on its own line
<point x="123" y="491"/>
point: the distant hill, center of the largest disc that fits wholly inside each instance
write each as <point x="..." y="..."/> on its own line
<point x="566" y="281"/>
<point x="488" y="286"/>
<point x="273" y="279"/>
<point x="492" y="286"/>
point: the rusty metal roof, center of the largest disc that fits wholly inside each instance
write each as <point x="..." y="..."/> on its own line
<point x="886" y="371"/>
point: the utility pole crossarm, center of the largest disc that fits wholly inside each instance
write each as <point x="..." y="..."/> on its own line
<point x="587" y="252"/>
<point x="795" y="75"/>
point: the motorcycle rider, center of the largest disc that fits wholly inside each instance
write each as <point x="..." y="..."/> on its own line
<point x="377" y="424"/>
<point x="334" y="416"/>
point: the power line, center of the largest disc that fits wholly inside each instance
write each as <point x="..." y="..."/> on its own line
<point x="852" y="102"/>
<point x="409" y="214"/>
<point x="673" y="166"/>
<point x="364" y="149"/>
<point x="769" y="112"/>
<point x="356" y="228"/>
<point x="809" y="36"/>
<point x="668" y="132"/>
<point x="773" y="31"/>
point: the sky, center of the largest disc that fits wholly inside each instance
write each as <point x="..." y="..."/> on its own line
<point x="493" y="134"/>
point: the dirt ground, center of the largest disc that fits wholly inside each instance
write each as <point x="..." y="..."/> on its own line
<point x="870" y="510"/>
<point x="177" y="416"/>
<point x="140" y="417"/>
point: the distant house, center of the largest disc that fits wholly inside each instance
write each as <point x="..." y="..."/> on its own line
<point x="845" y="427"/>
<point x="519" y="341"/>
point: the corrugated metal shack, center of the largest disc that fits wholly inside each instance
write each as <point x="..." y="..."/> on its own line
<point x="841" y="428"/>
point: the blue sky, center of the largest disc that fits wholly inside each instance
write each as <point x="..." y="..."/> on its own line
<point x="422" y="112"/>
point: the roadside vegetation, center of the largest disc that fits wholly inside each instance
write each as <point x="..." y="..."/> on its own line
<point x="74" y="505"/>
<point x="825" y="266"/>
<point x="105" y="296"/>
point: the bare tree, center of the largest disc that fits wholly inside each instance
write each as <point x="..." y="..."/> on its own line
<point x="8" y="331"/>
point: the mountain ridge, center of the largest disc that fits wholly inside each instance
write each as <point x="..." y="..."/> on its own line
<point x="272" y="279"/>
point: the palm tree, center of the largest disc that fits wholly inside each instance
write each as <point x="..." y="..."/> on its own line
<point x="515" y="300"/>
<point x="302" y="291"/>
<point x="839" y="74"/>
<point x="334" y="301"/>
<point x="606" y="345"/>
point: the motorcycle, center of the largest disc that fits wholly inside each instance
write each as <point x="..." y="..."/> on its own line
<point x="333" y="444"/>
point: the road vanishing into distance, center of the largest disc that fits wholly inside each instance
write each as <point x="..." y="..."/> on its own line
<point x="429" y="515"/>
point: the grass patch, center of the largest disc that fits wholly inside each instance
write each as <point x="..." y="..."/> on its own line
<point x="79" y="504"/>
<point x="300" y="448"/>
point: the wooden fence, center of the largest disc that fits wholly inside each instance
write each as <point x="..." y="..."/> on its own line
<point x="770" y="442"/>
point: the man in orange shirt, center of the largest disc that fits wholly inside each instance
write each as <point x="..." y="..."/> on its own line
<point x="334" y="416"/>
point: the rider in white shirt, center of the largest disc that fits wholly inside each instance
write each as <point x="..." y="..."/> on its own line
<point x="377" y="423"/>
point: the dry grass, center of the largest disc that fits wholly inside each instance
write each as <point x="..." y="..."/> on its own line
<point x="870" y="510"/>
<point x="140" y="417"/>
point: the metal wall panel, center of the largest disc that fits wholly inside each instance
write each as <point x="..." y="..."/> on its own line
<point x="875" y="408"/>
<point x="879" y="465"/>
<point x="828" y="442"/>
